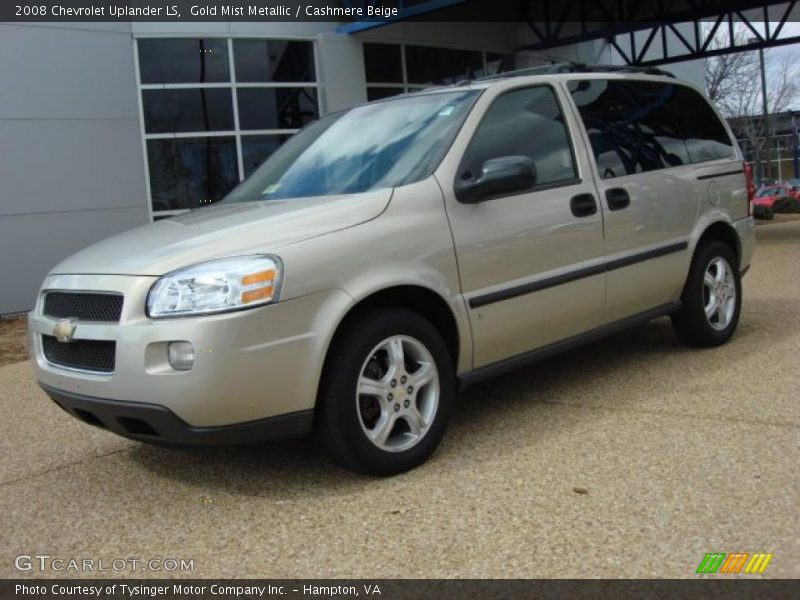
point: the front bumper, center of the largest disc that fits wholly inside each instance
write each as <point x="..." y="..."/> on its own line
<point x="152" y="422"/>
<point x="249" y="365"/>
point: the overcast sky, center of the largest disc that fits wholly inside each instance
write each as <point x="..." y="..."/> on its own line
<point x="790" y="29"/>
<point x="777" y="54"/>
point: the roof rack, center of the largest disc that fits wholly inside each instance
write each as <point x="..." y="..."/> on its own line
<point x="576" y="67"/>
<point x="537" y="70"/>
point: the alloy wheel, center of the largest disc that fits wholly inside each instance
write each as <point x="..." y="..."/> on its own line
<point x="719" y="293"/>
<point x="397" y="394"/>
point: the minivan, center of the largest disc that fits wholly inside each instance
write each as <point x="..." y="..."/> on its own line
<point x="389" y="255"/>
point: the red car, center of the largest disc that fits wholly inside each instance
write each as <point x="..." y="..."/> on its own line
<point x="767" y="195"/>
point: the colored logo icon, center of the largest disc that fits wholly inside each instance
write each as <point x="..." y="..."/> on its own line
<point x="737" y="562"/>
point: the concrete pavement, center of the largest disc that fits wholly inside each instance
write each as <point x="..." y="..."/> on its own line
<point x="632" y="457"/>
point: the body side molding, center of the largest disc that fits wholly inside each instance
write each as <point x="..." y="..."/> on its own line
<point x="723" y="174"/>
<point x="542" y="284"/>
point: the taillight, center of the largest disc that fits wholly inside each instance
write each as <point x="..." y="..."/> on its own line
<point x="751" y="187"/>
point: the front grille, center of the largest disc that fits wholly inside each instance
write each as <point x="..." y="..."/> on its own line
<point x="86" y="355"/>
<point x="83" y="306"/>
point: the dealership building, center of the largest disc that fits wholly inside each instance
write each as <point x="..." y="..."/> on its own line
<point x="108" y="126"/>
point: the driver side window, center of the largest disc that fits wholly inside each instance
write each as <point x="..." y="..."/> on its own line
<point x="524" y="122"/>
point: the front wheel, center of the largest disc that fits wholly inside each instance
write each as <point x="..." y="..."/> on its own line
<point x="712" y="298"/>
<point x="386" y="393"/>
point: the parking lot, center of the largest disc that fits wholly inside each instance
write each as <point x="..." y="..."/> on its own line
<point x="631" y="457"/>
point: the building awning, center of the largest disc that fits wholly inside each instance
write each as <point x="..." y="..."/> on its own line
<point x="641" y="33"/>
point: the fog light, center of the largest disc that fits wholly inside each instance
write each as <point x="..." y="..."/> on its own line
<point x="181" y="355"/>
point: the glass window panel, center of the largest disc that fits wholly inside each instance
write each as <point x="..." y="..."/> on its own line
<point x="706" y="138"/>
<point x="383" y="63"/>
<point x="277" y="108"/>
<point x="183" y="61"/>
<point x="631" y="125"/>
<point x="258" y="148"/>
<point x="191" y="172"/>
<point x="175" y="111"/>
<point x="441" y="65"/>
<point x="379" y="93"/>
<point x="273" y="60"/>
<point x="372" y="146"/>
<point x="526" y="122"/>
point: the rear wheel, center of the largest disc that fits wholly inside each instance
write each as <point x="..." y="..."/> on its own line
<point x="712" y="297"/>
<point x="386" y="393"/>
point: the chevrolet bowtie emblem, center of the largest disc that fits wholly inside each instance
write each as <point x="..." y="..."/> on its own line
<point x="64" y="330"/>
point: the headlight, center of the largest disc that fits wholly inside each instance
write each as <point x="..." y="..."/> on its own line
<point x="216" y="286"/>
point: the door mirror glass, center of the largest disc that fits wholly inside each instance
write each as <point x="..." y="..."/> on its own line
<point x="498" y="177"/>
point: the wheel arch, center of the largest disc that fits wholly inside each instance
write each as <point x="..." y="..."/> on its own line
<point x="711" y="227"/>
<point x="721" y="231"/>
<point x="424" y="301"/>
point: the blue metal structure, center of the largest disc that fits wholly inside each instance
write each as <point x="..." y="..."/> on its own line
<point x="637" y="30"/>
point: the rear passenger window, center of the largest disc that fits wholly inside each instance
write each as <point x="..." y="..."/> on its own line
<point x="524" y="122"/>
<point x="638" y="126"/>
<point x="630" y="125"/>
<point x="705" y="136"/>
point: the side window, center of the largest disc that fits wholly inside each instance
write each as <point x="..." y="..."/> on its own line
<point x="706" y="138"/>
<point x="524" y="122"/>
<point x="630" y="125"/>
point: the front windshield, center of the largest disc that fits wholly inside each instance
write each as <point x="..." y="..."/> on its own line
<point x="379" y="145"/>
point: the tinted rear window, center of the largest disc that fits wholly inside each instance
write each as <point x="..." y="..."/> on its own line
<point x="640" y="126"/>
<point x="706" y="138"/>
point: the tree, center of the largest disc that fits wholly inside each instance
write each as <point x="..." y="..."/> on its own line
<point x="733" y="82"/>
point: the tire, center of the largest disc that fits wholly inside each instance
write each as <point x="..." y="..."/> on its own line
<point x="691" y="323"/>
<point x="377" y="431"/>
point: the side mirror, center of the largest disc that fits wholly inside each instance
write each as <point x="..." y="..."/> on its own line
<point x="499" y="176"/>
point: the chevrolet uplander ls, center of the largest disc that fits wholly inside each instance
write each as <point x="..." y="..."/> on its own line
<point x="391" y="254"/>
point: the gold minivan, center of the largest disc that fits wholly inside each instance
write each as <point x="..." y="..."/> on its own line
<point x="389" y="255"/>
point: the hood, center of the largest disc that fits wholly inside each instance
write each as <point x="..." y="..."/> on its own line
<point x="221" y="231"/>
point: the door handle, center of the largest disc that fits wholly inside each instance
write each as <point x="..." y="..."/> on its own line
<point x="583" y="205"/>
<point x="617" y="198"/>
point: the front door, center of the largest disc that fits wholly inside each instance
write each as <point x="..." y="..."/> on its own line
<point x="530" y="263"/>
